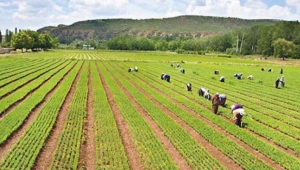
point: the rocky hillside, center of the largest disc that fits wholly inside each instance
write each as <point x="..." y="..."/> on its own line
<point x="193" y="26"/>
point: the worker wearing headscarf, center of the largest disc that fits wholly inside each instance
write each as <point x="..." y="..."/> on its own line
<point x="215" y="103"/>
<point x="237" y="116"/>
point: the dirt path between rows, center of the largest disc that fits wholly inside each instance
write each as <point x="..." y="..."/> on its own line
<point x="87" y="157"/>
<point x="7" y="145"/>
<point x="46" y="154"/>
<point x="134" y="159"/>
<point x="211" y="124"/>
<point x="169" y="147"/>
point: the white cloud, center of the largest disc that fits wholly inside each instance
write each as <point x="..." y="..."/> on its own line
<point x="4" y="4"/>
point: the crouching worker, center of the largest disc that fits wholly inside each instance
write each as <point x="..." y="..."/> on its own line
<point x="189" y="87"/>
<point x="182" y="70"/>
<point x="239" y="76"/>
<point x="236" y="106"/>
<point x="250" y="77"/>
<point x="222" y="79"/>
<point x="201" y="91"/>
<point x="130" y="70"/>
<point x="277" y="82"/>
<point x="136" y="69"/>
<point x="215" y="103"/>
<point x="222" y="98"/>
<point x="237" y="116"/>
<point x="166" y="77"/>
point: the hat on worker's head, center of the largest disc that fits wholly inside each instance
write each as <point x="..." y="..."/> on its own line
<point x="217" y="94"/>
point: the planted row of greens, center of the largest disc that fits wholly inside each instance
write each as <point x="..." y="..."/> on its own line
<point x="151" y="151"/>
<point x="24" y="153"/>
<point x="280" y="157"/>
<point x="109" y="148"/>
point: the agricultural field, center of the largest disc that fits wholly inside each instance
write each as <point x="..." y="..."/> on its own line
<point x="84" y="110"/>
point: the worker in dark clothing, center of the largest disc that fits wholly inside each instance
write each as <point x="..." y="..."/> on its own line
<point x="182" y="70"/>
<point x="189" y="87"/>
<point x="215" y="103"/>
<point x="281" y="71"/>
<point x="202" y="90"/>
<point x="277" y="82"/>
<point x="239" y="76"/>
<point x="166" y="77"/>
<point x="130" y="70"/>
<point x="222" y="79"/>
<point x="237" y="116"/>
<point x="222" y="98"/>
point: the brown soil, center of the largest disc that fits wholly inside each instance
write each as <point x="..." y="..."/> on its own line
<point x="131" y="152"/>
<point x="7" y="145"/>
<point x="220" y="130"/>
<point x="169" y="147"/>
<point x="45" y="156"/>
<point x="88" y="149"/>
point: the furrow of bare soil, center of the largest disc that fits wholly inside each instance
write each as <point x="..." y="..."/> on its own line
<point x="34" y="70"/>
<point x="131" y="152"/>
<point x="169" y="147"/>
<point x="219" y="129"/>
<point x="18" y="102"/>
<point x="87" y="157"/>
<point x="45" y="156"/>
<point x="288" y="151"/>
<point x="15" y="136"/>
<point x="24" y="84"/>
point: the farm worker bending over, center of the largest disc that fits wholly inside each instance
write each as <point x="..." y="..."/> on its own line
<point x="182" y="70"/>
<point x="166" y="77"/>
<point x="239" y="75"/>
<point x="189" y="87"/>
<point x="250" y="77"/>
<point x="222" y="98"/>
<point x="236" y="106"/>
<point x="215" y="103"/>
<point x="202" y="90"/>
<point x="207" y="95"/>
<point x="222" y="79"/>
<point x="130" y="70"/>
<point x="136" y="69"/>
<point x="277" y="82"/>
<point x="237" y="116"/>
<point x="282" y="81"/>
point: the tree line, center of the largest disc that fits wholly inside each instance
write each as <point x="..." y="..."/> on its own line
<point x="28" y="39"/>
<point x="280" y="40"/>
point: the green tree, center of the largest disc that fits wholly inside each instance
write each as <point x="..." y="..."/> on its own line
<point x="35" y="38"/>
<point x="0" y="37"/>
<point x="283" y="48"/>
<point x="21" y="40"/>
<point x="45" y="41"/>
<point x="264" y="44"/>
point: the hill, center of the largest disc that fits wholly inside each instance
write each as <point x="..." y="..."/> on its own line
<point x="194" y="26"/>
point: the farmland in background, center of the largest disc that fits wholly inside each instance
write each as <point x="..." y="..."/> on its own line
<point x="84" y="110"/>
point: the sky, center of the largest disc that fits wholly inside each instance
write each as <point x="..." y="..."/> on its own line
<point x="35" y="14"/>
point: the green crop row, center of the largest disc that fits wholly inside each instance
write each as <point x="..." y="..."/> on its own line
<point x="16" y="117"/>
<point x="27" y="79"/>
<point x="33" y="85"/>
<point x="228" y="147"/>
<point x="151" y="151"/>
<point x="14" y="76"/>
<point x="110" y="152"/>
<point x="66" y="155"/>
<point x="24" y="153"/>
<point x="10" y="65"/>
<point x="280" y="157"/>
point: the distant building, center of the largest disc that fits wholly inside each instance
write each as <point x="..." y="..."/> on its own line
<point x="87" y="47"/>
